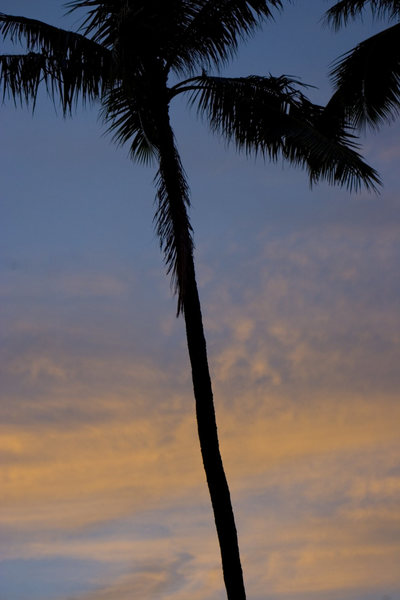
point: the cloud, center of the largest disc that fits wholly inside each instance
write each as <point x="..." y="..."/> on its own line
<point x="321" y="309"/>
<point x="315" y="490"/>
<point x="99" y="444"/>
<point x="178" y="576"/>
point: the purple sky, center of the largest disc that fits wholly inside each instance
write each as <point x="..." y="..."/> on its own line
<point x="102" y="490"/>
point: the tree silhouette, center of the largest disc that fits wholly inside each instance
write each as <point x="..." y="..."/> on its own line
<point x="367" y="78"/>
<point x="124" y="57"/>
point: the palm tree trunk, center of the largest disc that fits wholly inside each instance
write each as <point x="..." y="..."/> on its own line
<point x="170" y="173"/>
<point x="208" y="436"/>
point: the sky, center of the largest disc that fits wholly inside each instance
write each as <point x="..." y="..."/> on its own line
<point x="103" y="495"/>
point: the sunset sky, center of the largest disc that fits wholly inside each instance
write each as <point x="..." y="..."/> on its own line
<point x="103" y="496"/>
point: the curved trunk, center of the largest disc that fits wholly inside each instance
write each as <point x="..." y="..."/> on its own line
<point x="208" y="436"/>
<point x="172" y="181"/>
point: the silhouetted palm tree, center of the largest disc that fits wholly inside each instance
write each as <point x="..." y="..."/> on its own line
<point x="367" y="78"/>
<point x="123" y="57"/>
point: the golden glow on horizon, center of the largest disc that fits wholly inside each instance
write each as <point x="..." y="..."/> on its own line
<point x="306" y="457"/>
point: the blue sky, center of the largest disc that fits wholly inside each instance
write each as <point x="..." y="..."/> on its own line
<point x="103" y="493"/>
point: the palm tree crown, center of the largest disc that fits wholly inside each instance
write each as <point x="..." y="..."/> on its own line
<point x="367" y="78"/>
<point x="122" y="58"/>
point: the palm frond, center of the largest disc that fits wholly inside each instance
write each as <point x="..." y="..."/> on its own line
<point x="325" y="147"/>
<point x="66" y="82"/>
<point x="186" y="33"/>
<point x="367" y="79"/>
<point x="66" y="63"/>
<point x="135" y="28"/>
<point x="343" y="11"/>
<point x="272" y="117"/>
<point x="129" y="124"/>
<point x="37" y="36"/>
<point x="212" y="29"/>
<point x="249" y="111"/>
<point x="133" y="120"/>
<point x="101" y="20"/>
<point x="21" y="75"/>
<point x="172" y="222"/>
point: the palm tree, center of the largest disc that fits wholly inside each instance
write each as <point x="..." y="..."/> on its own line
<point x="123" y="58"/>
<point x="367" y="78"/>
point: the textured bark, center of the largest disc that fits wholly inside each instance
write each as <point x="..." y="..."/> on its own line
<point x="171" y="172"/>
